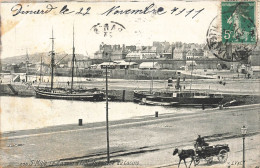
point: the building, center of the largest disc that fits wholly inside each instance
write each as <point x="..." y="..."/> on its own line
<point x="109" y="65"/>
<point x="162" y="47"/>
<point x="149" y="65"/>
<point x="179" y="53"/>
<point x="118" y="54"/>
<point x="254" y="61"/>
<point x="119" y="64"/>
<point x="111" y="52"/>
<point x="149" y="52"/>
<point x="104" y="52"/>
<point x="131" y="48"/>
<point x="81" y="64"/>
<point x="195" y="53"/>
<point x="255" y="71"/>
<point x="125" y="65"/>
<point x="134" y="56"/>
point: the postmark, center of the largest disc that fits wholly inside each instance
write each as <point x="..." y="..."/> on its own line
<point x="232" y="35"/>
<point x="228" y="51"/>
<point x="108" y="29"/>
<point x="238" y="22"/>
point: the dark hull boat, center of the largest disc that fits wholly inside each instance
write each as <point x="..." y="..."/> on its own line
<point x="177" y="97"/>
<point x="158" y="101"/>
<point x="55" y="93"/>
<point x="140" y="95"/>
<point x="87" y="96"/>
<point x="184" y="98"/>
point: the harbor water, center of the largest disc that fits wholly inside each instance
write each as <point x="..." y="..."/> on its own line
<point x="22" y="113"/>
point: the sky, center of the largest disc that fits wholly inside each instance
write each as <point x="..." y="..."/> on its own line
<point x="32" y="32"/>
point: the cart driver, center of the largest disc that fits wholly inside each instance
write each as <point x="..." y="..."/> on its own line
<point x="200" y="142"/>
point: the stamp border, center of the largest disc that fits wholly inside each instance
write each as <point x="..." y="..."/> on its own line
<point x="256" y="19"/>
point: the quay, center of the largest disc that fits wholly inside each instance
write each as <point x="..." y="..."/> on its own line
<point x="245" y="90"/>
<point x="146" y="141"/>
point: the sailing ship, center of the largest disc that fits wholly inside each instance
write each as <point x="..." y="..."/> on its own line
<point x="51" y="93"/>
<point x="177" y="97"/>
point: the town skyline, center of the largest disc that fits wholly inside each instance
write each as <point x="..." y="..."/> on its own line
<point x="92" y="56"/>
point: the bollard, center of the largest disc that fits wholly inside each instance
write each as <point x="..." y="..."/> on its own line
<point x="123" y="97"/>
<point x="80" y="122"/>
<point x="156" y="114"/>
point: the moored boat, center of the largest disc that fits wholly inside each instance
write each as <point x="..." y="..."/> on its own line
<point x="178" y="97"/>
<point x="55" y="93"/>
<point x="158" y="101"/>
<point x="140" y="94"/>
<point x="182" y="98"/>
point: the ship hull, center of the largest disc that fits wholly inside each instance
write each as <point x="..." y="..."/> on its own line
<point x="70" y="96"/>
<point x="181" y="101"/>
<point x="139" y="95"/>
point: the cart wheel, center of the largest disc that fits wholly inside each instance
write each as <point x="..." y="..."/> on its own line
<point x="209" y="159"/>
<point x="223" y="155"/>
<point x="196" y="161"/>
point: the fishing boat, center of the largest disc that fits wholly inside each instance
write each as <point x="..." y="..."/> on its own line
<point x="55" y="93"/>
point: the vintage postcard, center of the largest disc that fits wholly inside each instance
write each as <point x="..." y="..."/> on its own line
<point x="130" y="83"/>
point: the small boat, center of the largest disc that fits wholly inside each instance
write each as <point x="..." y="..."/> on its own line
<point x="55" y="93"/>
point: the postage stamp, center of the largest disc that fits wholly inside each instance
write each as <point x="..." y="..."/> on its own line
<point x="228" y="50"/>
<point x="232" y="34"/>
<point x="238" y="22"/>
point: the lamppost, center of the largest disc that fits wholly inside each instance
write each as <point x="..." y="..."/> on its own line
<point x="243" y="132"/>
<point x="107" y="126"/>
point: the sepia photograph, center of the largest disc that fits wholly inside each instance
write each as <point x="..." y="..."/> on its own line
<point x="122" y="83"/>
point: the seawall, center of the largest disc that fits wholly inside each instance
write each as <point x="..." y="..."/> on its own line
<point x="26" y="91"/>
<point x="127" y="95"/>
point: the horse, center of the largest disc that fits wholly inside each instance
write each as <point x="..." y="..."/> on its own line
<point x="184" y="154"/>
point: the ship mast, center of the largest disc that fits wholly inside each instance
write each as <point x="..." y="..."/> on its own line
<point x="41" y="70"/>
<point x="27" y="62"/>
<point x="73" y="60"/>
<point x="52" y="60"/>
<point x="191" y="70"/>
<point x="151" y="84"/>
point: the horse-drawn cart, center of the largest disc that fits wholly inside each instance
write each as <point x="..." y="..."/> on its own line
<point x="208" y="152"/>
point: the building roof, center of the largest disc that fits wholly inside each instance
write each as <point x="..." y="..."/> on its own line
<point x="149" y="65"/>
<point x="134" y="54"/>
<point x="108" y="63"/>
<point x="255" y="68"/>
<point x="127" y="63"/>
